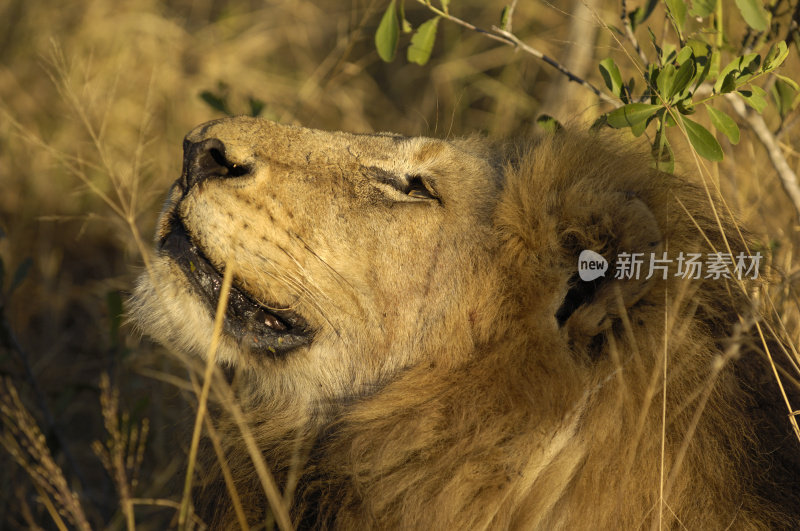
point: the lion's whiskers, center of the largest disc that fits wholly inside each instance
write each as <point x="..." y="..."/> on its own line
<point x="315" y="298"/>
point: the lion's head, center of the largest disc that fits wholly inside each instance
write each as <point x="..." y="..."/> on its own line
<point x="412" y="310"/>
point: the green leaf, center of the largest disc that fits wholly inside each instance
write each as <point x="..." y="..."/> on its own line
<point x="700" y="48"/>
<point x="754" y="14"/>
<point x="638" y="128"/>
<point x="631" y="114"/>
<point x="726" y="84"/>
<point x="664" y="80"/>
<point x="736" y="65"/>
<point x="685" y="106"/>
<point x="445" y="5"/>
<point x="388" y="34"/>
<point x="724" y="124"/>
<point x="629" y="88"/>
<point x="216" y="102"/>
<point x="20" y="274"/>
<point x="549" y="124"/>
<point x="405" y="25"/>
<point x="789" y="81"/>
<point x="682" y="78"/>
<point x="683" y="55"/>
<point x="775" y="56"/>
<point x="704" y="64"/>
<point x="662" y="154"/>
<point x="702" y="140"/>
<point x="639" y="15"/>
<point x="784" y="95"/>
<point x="702" y="8"/>
<point x="737" y="72"/>
<point x="670" y="51"/>
<point x="749" y="63"/>
<point x="755" y="97"/>
<point x="654" y="42"/>
<point x="611" y="76"/>
<point x="504" y="18"/>
<point x="256" y="106"/>
<point x="677" y="8"/>
<point x="716" y="59"/>
<point x="422" y="42"/>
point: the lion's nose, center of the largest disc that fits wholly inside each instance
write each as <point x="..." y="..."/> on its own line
<point x="207" y="160"/>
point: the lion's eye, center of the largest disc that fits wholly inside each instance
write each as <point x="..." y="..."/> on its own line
<point x="419" y="189"/>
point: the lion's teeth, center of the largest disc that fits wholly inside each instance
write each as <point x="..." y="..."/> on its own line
<point x="273" y="322"/>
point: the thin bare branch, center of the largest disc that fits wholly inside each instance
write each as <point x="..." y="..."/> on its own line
<point x="510" y="16"/>
<point x="558" y="66"/>
<point x="508" y="38"/>
<point x="756" y="122"/>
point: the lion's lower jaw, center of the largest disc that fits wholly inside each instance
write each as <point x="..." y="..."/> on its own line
<point x="164" y="310"/>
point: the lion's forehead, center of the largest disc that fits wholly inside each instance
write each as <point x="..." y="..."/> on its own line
<point x="258" y="141"/>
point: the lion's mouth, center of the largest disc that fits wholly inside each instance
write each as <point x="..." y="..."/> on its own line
<point x="257" y="328"/>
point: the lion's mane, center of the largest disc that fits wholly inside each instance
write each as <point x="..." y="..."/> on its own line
<point x="646" y="403"/>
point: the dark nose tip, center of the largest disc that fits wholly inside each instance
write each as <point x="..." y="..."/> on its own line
<point x="207" y="160"/>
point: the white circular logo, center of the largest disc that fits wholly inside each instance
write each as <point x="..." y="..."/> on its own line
<point x="591" y="265"/>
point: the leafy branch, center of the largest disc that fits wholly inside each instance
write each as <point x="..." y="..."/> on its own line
<point x="387" y="38"/>
<point x="680" y="78"/>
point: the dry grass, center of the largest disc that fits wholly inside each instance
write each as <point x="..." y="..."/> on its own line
<point x="95" y="97"/>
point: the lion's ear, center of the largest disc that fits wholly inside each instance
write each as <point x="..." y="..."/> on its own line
<point x="597" y="294"/>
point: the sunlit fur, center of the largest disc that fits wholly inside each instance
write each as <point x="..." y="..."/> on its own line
<point x="441" y="391"/>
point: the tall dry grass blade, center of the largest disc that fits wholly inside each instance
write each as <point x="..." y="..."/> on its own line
<point x="280" y="510"/>
<point x="662" y="457"/>
<point x="51" y="509"/>
<point x="793" y="413"/>
<point x="171" y="504"/>
<point x="227" y="476"/>
<point x="211" y="363"/>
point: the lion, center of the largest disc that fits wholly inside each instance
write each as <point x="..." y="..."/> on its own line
<point x="455" y="334"/>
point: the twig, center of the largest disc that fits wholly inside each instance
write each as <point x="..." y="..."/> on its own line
<point x="558" y="66"/>
<point x="626" y="23"/>
<point x="756" y="122"/>
<point x="509" y="39"/>
<point x="510" y="16"/>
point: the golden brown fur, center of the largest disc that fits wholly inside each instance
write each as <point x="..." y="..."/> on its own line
<point x="460" y="375"/>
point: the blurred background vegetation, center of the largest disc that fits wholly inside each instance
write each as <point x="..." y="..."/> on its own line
<point x="95" y="97"/>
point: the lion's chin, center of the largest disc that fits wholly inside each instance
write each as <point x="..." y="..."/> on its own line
<point x="255" y="328"/>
